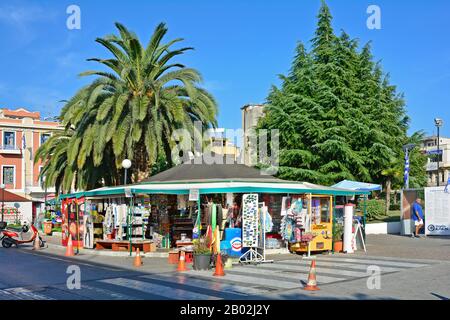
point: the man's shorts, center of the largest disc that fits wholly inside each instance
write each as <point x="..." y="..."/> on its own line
<point x="417" y="223"/>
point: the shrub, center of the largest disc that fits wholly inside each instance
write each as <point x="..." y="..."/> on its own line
<point x="338" y="232"/>
<point x="201" y="246"/>
<point x="394" y="207"/>
<point x="375" y="208"/>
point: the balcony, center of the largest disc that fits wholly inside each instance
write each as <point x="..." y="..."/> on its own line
<point x="38" y="190"/>
<point x="9" y="149"/>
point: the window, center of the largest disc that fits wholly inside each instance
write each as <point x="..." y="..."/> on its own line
<point x="9" y="140"/>
<point x="325" y="216"/>
<point x="8" y="175"/>
<point x="436" y="158"/>
<point x="40" y="178"/>
<point x="44" y="137"/>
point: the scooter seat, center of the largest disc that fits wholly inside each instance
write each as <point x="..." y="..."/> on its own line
<point x="14" y="229"/>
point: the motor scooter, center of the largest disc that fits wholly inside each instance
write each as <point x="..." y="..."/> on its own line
<point x="15" y="236"/>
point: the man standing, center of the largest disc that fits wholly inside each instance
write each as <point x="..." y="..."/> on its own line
<point x="417" y="215"/>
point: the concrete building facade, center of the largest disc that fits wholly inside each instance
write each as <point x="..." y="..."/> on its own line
<point x="251" y="113"/>
<point x="429" y="146"/>
<point x="22" y="132"/>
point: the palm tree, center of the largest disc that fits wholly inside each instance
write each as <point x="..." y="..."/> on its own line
<point x="54" y="154"/>
<point x="132" y="109"/>
<point x="139" y="103"/>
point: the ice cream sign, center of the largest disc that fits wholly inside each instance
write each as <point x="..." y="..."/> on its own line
<point x="236" y="244"/>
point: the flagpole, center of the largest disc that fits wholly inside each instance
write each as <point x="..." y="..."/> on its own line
<point x="407" y="169"/>
<point x="406" y="149"/>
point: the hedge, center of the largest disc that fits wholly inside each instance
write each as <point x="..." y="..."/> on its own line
<point x="375" y="208"/>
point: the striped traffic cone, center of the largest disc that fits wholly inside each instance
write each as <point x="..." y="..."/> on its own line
<point x="181" y="263"/>
<point x="312" y="283"/>
<point x="137" y="259"/>
<point x="69" y="249"/>
<point x="219" y="267"/>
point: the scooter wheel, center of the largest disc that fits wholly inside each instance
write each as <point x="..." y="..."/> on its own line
<point x="6" y="243"/>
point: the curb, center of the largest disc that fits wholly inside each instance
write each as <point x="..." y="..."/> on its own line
<point x="277" y="251"/>
<point x="105" y="253"/>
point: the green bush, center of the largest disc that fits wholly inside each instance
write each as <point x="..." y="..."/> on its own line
<point x="202" y="246"/>
<point x="375" y="208"/>
<point x="338" y="232"/>
<point x="394" y="207"/>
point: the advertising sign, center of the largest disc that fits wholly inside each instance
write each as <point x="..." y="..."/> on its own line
<point x="11" y="215"/>
<point x="193" y="194"/>
<point x="437" y="211"/>
<point x="250" y="220"/>
<point x="88" y="227"/>
<point x="233" y="241"/>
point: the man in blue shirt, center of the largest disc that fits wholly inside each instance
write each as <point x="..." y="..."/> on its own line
<point x="417" y="215"/>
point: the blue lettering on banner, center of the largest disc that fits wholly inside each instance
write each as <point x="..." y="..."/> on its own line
<point x="433" y="227"/>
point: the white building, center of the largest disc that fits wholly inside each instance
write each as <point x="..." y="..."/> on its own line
<point x="429" y="145"/>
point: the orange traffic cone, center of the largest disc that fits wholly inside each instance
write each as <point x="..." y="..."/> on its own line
<point x="312" y="283"/>
<point x="181" y="265"/>
<point x="69" y="249"/>
<point x="37" y="243"/>
<point x="137" y="259"/>
<point x="219" y="267"/>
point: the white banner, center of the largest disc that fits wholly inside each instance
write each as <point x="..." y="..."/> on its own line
<point x="437" y="211"/>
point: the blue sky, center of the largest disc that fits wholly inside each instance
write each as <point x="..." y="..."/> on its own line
<point x="240" y="47"/>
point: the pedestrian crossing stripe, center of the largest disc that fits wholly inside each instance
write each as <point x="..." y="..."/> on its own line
<point x="377" y="262"/>
<point x="199" y="283"/>
<point x="347" y="265"/>
<point x="251" y="279"/>
<point x="159" y="290"/>
<point x="334" y="271"/>
<point x="111" y="295"/>
<point x="21" y="293"/>
<point x="296" y="275"/>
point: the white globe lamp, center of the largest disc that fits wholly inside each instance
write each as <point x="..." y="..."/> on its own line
<point x="126" y="164"/>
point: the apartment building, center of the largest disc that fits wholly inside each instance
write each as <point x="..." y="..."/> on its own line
<point x="22" y="132"/>
<point x="222" y="145"/>
<point x="429" y="146"/>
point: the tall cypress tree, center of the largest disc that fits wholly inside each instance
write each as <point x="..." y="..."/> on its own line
<point x="338" y="115"/>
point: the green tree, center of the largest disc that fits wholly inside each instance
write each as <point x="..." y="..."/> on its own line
<point x="338" y="115"/>
<point x="130" y="110"/>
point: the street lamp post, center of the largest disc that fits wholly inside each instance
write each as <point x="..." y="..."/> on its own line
<point x="126" y="164"/>
<point x="45" y="196"/>
<point x="3" y="199"/>
<point x="438" y="123"/>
